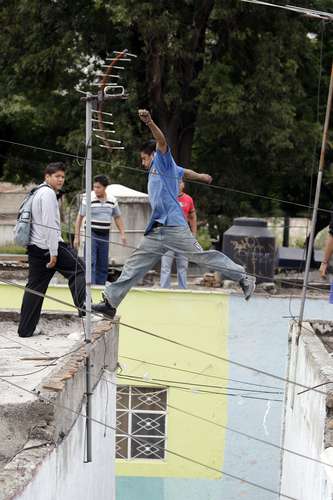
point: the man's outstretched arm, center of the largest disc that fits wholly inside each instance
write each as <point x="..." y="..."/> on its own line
<point x="157" y="133"/>
<point x="327" y="255"/>
<point x="191" y="175"/>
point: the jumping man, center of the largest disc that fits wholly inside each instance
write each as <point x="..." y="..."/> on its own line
<point x="167" y="228"/>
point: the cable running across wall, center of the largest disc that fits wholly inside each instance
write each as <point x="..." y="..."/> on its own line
<point x="244" y="434"/>
<point x="165" y="339"/>
<point x="195" y="390"/>
<point x="171" y="452"/>
<point x="202" y="374"/>
<point x="195" y="384"/>
<point x="173" y="407"/>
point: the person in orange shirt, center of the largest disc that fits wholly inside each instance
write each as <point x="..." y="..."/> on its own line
<point x="187" y="204"/>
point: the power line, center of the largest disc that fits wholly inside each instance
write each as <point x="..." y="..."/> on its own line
<point x="213" y="186"/>
<point x="195" y="384"/>
<point x="56" y="358"/>
<point x="249" y="436"/>
<point x="49" y="358"/>
<point x="160" y="337"/>
<point x="171" y="452"/>
<point x="193" y="259"/>
<point x="169" y="367"/>
<point x="215" y="356"/>
<point x="171" y="406"/>
<point x="196" y="391"/>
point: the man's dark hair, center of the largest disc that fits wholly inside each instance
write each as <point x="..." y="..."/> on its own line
<point x="54" y="167"/>
<point x="102" y="179"/>
<point x="148" y="147"/>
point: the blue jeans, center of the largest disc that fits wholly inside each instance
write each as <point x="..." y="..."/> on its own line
<point x="166" y="265"/>
<point x="99" y="258"/>
<point x="157" y="243"/>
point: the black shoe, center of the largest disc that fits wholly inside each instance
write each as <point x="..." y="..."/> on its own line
<point x="104" y="308"/>
<point x="82" y="313"/>
<point x="248" y="285"/>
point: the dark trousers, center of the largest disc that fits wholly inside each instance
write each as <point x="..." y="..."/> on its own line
<point x="68" y="264"/>
<point x="99" y="257"/>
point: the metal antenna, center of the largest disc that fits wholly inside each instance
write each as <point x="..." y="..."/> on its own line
<point x="108" y="91"/>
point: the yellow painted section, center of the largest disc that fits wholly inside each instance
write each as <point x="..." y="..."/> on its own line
<point x="198" y="319"/>
<point x="11" y="297"/>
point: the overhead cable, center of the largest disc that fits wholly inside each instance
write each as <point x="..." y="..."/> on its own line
<point x="167" y="450"/>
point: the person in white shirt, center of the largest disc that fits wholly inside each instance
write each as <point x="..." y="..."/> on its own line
<point x="104" y="208"/>
<point x="47" y="252"/>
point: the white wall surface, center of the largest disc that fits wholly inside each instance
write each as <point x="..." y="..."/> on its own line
<point x="305" y="425"/>
<point x="63" y="475"/>
<point x="7" y="233"/>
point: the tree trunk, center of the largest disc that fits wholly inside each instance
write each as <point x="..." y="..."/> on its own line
<point x="178" y="118"/>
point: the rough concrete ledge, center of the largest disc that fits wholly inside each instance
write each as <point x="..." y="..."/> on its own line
<point x="312" y="333"/>
<point x="37" y="426"/>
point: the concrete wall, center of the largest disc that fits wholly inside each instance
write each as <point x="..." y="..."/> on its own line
<point x="64" y="475"/>
<point x="136" y="213"/>
<point x="7" y="233"/>
<point x="253" y="333"/>
<point x="184" y="308"/>
<point x="257" y="335"/>
<point x="305" y="417"/>
<point x="9" y="205"/>
<point x="10" y="202"/>
<point x="49" y="429"/>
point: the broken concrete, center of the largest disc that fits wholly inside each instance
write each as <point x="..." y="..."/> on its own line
<point x="42" y="389"/>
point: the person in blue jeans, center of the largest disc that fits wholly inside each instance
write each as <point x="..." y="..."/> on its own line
<point x="104" y="208"/>
<point x="167" y="228"/>
<point x="187" y="205"/>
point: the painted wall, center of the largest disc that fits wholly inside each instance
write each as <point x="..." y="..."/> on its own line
<point x="64" y="475"/>
<point x="305" y="421"/>
<point x="196" y="319"/>
<point x="257" y="336"/>
<point x="253" y="333"/>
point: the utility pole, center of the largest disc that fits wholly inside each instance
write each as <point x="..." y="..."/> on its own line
<point x="88" y="175"/>
<point x="95" y="121"/>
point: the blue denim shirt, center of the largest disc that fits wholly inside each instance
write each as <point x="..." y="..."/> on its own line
<point x="163" y="189"/>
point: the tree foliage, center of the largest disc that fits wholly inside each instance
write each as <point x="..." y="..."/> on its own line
<point x="234" y="86"/>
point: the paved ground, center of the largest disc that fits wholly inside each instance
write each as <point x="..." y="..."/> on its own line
<point x="19" y="361"/>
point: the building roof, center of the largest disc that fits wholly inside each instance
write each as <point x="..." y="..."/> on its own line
<point x="120" y="191"/>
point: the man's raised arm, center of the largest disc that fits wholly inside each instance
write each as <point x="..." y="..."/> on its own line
<point x="158" y="135"/>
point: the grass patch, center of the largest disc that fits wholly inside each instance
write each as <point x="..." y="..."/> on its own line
<point x="12" y="249"/>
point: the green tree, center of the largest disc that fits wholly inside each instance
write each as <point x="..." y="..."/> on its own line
<point x="233" y="85"/>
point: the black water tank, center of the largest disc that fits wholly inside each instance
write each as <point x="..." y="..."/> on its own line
<point x="250" y="243"/>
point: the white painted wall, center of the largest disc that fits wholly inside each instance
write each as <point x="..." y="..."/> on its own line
<point x="305" y="423"/>
<point x="64" y="475"/>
